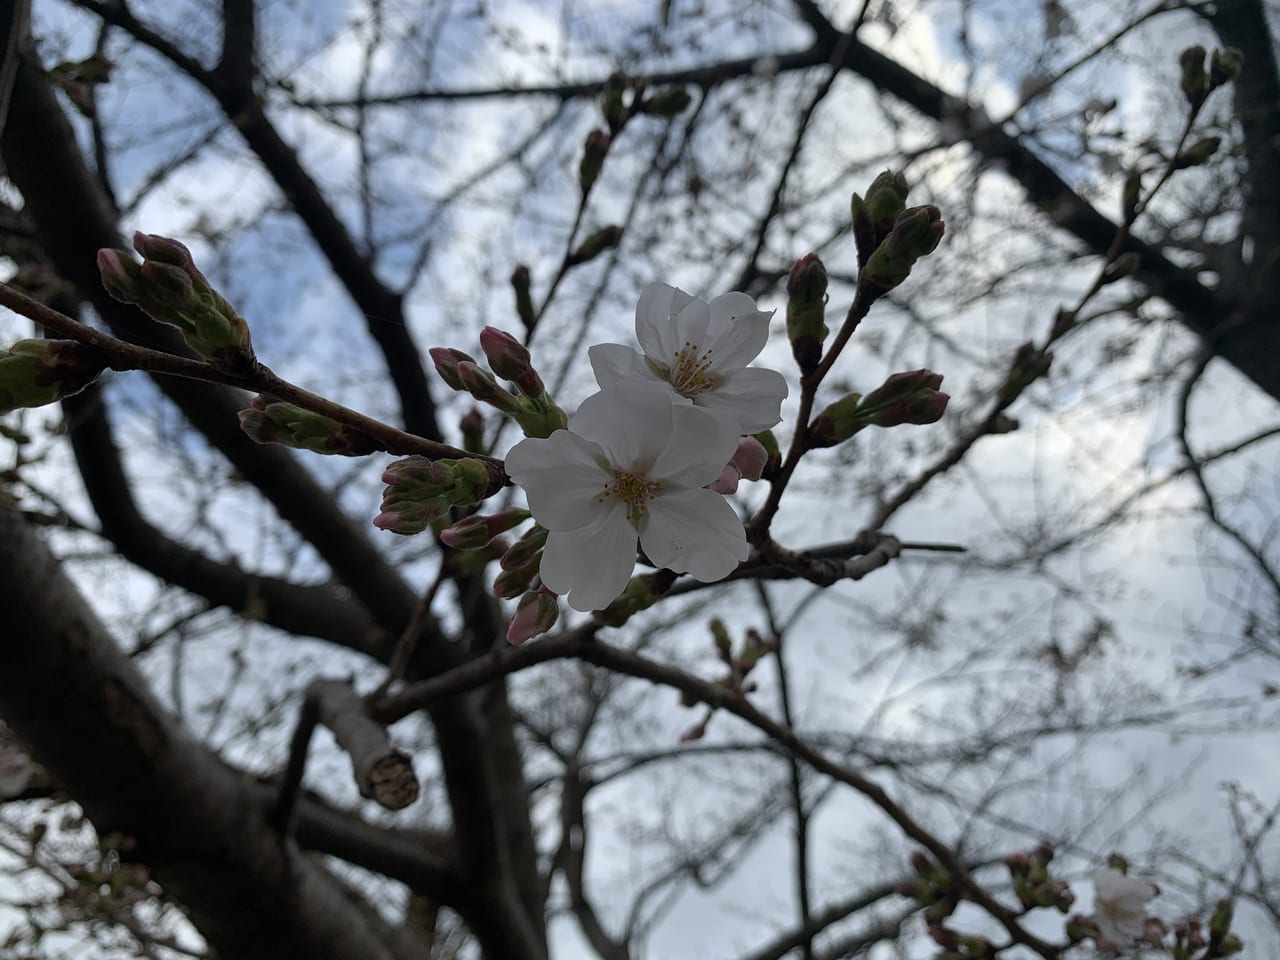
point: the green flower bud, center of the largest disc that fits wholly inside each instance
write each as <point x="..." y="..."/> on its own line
<point x="612" y="104"/>
<point x="915" y="234"/>
<point x="540" y="417"/>
<point x="836" y="423"/>
<point x="1131" y="194"/>
<point x="1220" y="922"/>
<point x="911" y="397"/>
<point x="594" y="151"/>
<point x="512" y="583"/>
<point x="1224" y="66"/>
<point x="1029" y="365"/>
<point x="1194" y="81"/>
<point x="806" y="311"/>
<point x="526" y="549"/>
<point x="1122" y="266"/>
<point x="640" y="594"/>
<point x="170" y="289"/>
<point x="521" y="284"/>
<point x="272" y="421"/>
<point x="606" y="238"/>
<point x="475" y="531"/>
<point x="37" y="372"/>
<point x="668" y="103"/>
<point x="471" y="424"/>
<point x="480" y="384"/>
<point x="1198" y="154"/>
<point x="873" y="218"/>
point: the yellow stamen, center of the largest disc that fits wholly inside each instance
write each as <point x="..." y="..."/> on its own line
<point x="690" y="371"/>
<point x="635" y="491"/>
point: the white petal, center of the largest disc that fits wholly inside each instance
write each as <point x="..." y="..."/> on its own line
<point x="630" y="419"/>
<point x="688" y="327"/>
<point x="591" y="564"/>
<point x="658" y="303"/>
<point x="701" y="444"/>
<point x="751" y="397"/>
<point x="561" y="476"/>
<point x="695" y="531"/>
<point x="612" y="362"/>
<point x="736" y="343"/>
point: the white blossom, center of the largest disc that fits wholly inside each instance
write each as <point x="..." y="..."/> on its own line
<point x="1120" y="905"/>
<point x="700" y="351"/>
<point x="631" y="466"/>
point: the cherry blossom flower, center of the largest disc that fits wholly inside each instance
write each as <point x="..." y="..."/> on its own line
<point x="631" y="466"/>
<point x="700" y="351"/>
<point x="1120" y="905"/>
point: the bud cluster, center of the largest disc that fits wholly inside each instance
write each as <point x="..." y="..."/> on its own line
<point x="36" y="372"/>
<point x="891" y="236"/>
<point x="269" y="420"/>
<point x="1032" y="884"/>
<point x="932" y="887"/>
<point x="421" y="491"/>
<point x="520" y="564"/>
<point x="806" y="311"/>
<point x="531" y="406"/>
<point x="169" y="288"/>
<point x="1197" y="82"/>
<point x="910" y="397"/>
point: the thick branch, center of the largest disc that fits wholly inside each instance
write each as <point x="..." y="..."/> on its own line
<point x="135" y="771"/>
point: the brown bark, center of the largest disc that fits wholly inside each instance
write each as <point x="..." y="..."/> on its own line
<point x="135" y="771"/>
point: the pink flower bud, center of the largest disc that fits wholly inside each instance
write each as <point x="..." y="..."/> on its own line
<point x="536" y="613"/>
<point x="510" y="360"/>
<point x="750" y="458"/>
<point x="727" y="482"/>
<point x="446" y="361"/>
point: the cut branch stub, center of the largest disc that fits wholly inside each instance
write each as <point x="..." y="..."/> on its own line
<point x="382" y="772"/>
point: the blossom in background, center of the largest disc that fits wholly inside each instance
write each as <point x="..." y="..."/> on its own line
<point x="1120" y="905"/>
<point x="700" y="351"/>
<point x="631" y="466"/>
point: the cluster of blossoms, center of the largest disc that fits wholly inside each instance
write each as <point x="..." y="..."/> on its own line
<point x="648" y="458"/>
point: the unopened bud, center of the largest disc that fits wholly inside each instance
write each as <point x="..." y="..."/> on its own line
<point x="537" y="612"/>
<point x="475" y="531"/>
<point x="612" y="104"/>
<point x="521" y="284"/>
<point x="512" y="583"/>
<point x="509" y="359"/>
<point x="606" y="238"/>
<point x="750" y="458"/>
<point x="1029" y="365"/>
<point x="1080" y="927"/>
<point x="836" y="423"/>
<point x="911" y="397"/>
<point x="668" y="103"/>
<point x="273" y="421"/>
<point x="526" y="549"/>
<point x="1224" y="66"/>
<point x="480" y="384"/>
<point x="641" y="593"/>
<point x="1194" y="81"/>
<point x="471" y="424"/>
<point x="446" y="361"/>
<point x="772" y="451"/>
<point x="873" y="218"/>
<point x="1220" y="922"/>
<point x="1130" y="195"/>
<point x="593" y="153"/>
<point x="1198" y="154"/>
<point x="36" y="372"/>
<point x="915" y="234"/>
<point x="806" y="310"/>
<point x="170" y="289"/>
